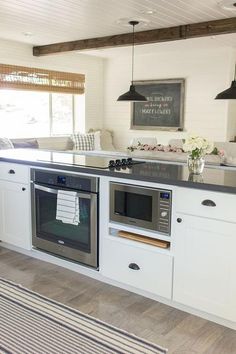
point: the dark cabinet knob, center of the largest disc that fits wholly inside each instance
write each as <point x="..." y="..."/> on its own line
<point x="134" y="266"/>
<point x="209" y="203"/>
<point x="23" y="189"/>
<point x="179" y="220"/>
<point x="111" y="164"/>
<point x="11" y="172"/>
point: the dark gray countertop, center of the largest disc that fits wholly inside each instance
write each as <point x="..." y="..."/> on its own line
<point x="215" y="179"/>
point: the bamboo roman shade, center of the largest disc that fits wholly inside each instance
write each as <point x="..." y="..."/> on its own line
<point x="34" y="79"/>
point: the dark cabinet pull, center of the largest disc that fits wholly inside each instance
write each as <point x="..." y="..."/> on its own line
<point x="12" y="172"/>
<point x="179" y="220"/>
<point x="23" y="189"/>
<point x="209" y="203"/>
<point x="134" y="266"/>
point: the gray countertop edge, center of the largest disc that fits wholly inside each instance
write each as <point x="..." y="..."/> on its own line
<point x="116" y="174"/>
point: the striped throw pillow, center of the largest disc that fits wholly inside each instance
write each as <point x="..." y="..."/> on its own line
<point x="83" y="141"/>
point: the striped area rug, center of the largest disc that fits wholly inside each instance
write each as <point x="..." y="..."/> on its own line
<point x="33" y="324"/>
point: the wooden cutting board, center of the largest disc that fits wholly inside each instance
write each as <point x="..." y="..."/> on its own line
<point x="144" y="239"/>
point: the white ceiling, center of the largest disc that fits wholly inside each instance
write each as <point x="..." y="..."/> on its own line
<point x="52" y="21"/>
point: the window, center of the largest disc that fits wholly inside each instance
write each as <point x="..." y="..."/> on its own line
<point x="37" y="102"/>
<point x="33" y="114"/>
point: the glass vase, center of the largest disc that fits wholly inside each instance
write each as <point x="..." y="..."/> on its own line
<point x="196" y="165"/>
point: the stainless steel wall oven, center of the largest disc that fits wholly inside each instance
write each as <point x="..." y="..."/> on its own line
<point x="75" y="242"/>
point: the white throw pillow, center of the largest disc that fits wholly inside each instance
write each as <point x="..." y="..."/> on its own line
<point x="97" y="140"/>
<point x="6" y="143"/>
<point x="83" y="141"/>
<point x="106" y="139"/>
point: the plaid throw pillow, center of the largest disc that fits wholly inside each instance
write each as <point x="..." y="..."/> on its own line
<point x="83" y="141"/>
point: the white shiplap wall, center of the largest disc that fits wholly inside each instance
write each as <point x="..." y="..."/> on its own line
<point x="21" y="54"/>
<point x="207" y="70"/>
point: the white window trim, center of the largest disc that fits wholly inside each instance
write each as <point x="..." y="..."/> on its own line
<point x="51" y="117"/>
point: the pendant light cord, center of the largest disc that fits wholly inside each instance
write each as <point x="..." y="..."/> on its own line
<point x="133" y="58"/>
<point x="133" y="23"/>
<point x="132" y="95"/>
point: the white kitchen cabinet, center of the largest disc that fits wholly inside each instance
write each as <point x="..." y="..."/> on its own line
<point x="15" y="214"/>
<point x="196" y="202"/>
<point x="13" y="172"/>
<point x="205" y="265"/>
<point x="145" y="269"/>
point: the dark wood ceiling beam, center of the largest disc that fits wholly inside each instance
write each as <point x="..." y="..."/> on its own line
<point x="202" y="29"/>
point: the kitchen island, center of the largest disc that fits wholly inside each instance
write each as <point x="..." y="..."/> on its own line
<point x="221" y="179"/>
<point x="194" y="272"/>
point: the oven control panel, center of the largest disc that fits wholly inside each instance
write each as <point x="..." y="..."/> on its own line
<point x="75" y="182"/>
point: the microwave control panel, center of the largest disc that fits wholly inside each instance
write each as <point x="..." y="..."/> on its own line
<point x="164" y="212"/>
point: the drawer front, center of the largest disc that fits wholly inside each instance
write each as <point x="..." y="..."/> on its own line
<point x="213" y="205"/>
<point x="121" y="263"/>
<point x="14" y="172"/>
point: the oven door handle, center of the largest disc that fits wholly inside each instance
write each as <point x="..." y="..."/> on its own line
<point x="54" y="191"/>
<point x="45" y="189"/>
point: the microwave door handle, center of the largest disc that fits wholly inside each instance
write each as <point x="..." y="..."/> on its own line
<point x="54" y="191"/>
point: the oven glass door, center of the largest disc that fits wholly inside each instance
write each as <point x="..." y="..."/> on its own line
<point x="49" y="228"/>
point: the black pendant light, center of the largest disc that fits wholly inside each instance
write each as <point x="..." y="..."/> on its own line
<point x="132" y="94"/>
<point x="230" y="93"/>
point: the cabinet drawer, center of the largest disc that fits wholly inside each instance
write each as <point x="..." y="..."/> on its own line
<point x="213" y="205"/>
<point x="14" y="172"/>
<point x="155" y="269"/>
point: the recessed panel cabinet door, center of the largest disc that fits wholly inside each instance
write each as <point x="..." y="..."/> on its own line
<point x="205" y="265"/>
<point x="15" y="214"/>
<point x="132" y="265"/>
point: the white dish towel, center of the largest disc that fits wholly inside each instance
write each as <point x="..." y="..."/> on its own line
<point x="68" y="207"/>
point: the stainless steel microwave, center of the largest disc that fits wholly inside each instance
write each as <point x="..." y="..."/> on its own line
<point x="142" y="207"/>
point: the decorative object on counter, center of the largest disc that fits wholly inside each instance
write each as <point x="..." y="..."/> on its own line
<point x="230" y="93"/>
<point x="171" y="152"/>
<point x="150" y="140"/>
<point x="157" y="147"/>
<point x="62" y="329"/>
<point x="198" y="148"/>
<point x="195" y="178"/>
<point x="219" y="152"/>
<point x="132" y="95"/>
<point x="195" y="165"/>
<point x="165" y="107"/>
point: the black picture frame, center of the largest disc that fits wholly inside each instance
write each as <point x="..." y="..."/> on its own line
<point x="164" y="109"/>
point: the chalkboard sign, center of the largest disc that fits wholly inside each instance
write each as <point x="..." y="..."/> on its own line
<point x="165" y="106"/>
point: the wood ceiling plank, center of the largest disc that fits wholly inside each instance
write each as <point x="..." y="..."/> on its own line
<point x="202" y="29"/>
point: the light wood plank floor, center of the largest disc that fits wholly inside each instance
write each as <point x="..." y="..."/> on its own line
<point x="178" y="331"/>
